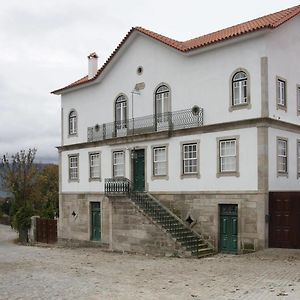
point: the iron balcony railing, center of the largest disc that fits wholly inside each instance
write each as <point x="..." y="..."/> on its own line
<point x="119" y="186"/>
<point x="182" y="119"/>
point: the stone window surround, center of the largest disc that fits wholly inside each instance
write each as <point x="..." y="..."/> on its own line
<point x="298" y="155"/>
<point x="159" y="177"/>
<point x="70" y="135"/>
<point x="282" y="174"/>
<point x="247" y="105"/>
<point x="69" y="156"/>
<point x="112" y="161"/>
<point x="278" y="106"/>
<point x="192" y="175"/>
<point x="89" y="154"/>
<point x="298" y="99"/>
<point x="235" y="173"/>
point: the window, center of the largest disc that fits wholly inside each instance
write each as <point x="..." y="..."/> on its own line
<point x="298" y="99"/>
<point x="298" y="158"/>
<point x="73" y="123"/>
<point x="159" y="161"/>
<point x="162" y="95"/>
<point x="227" y="156"/>
<point x="239" y="88"/>
<point x="118" y="164"/>
<point x="95" y="165"/>
<point x="73" y="167"/>
<point x="282" y="156"/>
<point x="281" y="93"/>
<point x="190" y="159"/>
<point x="121" y="112"/>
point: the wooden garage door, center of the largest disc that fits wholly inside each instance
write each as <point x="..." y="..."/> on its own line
<point x="284" y="225"/>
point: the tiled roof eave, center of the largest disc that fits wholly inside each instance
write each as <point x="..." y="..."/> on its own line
<point x="271" y="21"/>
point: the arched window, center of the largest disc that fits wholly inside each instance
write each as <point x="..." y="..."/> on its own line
<point x="162" y="98"/>
<point x="72" y="122"/>
<point x="121" y="112"/>
<point x="240" y="87"/>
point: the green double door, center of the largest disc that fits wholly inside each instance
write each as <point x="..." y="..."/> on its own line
<point x="95" y="221"/>
<point x="228" y="228"/>
<point x="139" y="170"/>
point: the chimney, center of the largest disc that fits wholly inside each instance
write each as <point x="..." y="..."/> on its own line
<point x="92" y="65"/>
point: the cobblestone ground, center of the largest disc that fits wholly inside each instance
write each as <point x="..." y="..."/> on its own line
<point x="62" y="273"/>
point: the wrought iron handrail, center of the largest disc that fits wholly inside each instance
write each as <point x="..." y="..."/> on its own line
<point x="118" y="186"/>
<point x="148" y="124"/>
<point x="177" y="228"/>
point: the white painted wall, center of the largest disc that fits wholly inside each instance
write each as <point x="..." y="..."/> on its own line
<point x="202" y="80"/>
<point x="208" y="165"/>
<point x="283" y="48"/>
<point x="282" y="183"/>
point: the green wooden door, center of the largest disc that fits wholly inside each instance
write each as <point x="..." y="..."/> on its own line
<point x="228" y="228"/>
<point x="95" y="221"/>
<point x="139" y="170"/>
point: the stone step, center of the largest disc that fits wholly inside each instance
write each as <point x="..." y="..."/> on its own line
<point x="190" y="241"/>
<point x="202" y="252"/>
<point x="196" y="246"/>
<point x="196" y="241"/>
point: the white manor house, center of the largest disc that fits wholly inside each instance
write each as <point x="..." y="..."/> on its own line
<point x="186" y="148"/>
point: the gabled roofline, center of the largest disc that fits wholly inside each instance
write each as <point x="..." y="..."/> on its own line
<point x="271" y="21"/>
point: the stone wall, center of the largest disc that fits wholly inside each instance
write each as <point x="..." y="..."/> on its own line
<point x="123" y="226"/>
<point x="77" y="227"/>
<point x="134" y="232"/>
<point x="204" y="210"/>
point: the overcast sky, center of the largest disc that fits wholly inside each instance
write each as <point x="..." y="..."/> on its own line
<point x="44" y="45"/>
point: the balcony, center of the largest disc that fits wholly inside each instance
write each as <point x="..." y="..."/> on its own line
<point x="189" y="118"/>
<point x="117" y="186"/>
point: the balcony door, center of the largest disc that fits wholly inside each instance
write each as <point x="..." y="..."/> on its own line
<point x="162" y="104"/>
<point x="121" y="115"/>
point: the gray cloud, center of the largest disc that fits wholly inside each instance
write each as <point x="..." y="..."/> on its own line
<point x="44" y="45"/>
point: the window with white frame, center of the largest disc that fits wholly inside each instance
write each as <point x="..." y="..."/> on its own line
<point x="298" y="158"/>
<point x="73" y="167"/>
<point x="121" y="112"/>
<point x="281" y="92"/>
<point x="95" y="165"/>
<point x="190" y="159"/>
<point x="160" y="161"/>
<point x="228" y="157"/>
<point x="72" y="122"/>
<point x="282" y="156"/>
<point x="118" y="164"/>
<point x="239" y="88"/>
<point x="162" y="94"/>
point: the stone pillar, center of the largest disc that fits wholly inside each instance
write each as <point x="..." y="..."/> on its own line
<point x="32" y="231"/>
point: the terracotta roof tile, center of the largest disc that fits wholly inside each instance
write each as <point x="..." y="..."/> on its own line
<point x="269" y="21"/>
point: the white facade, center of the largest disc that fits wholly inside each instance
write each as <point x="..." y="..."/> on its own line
<point x="204" y="78"/>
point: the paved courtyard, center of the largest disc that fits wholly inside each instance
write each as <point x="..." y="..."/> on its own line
<point x="62" y="273"/>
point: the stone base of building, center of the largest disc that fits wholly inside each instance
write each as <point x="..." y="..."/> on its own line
<point x="125" y="228"/>
<point x="203" y="208"/>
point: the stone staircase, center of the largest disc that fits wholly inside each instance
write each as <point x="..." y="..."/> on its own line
<point x="192" y="242"/>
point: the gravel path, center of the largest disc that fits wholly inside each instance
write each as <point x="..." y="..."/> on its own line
<point x="63" y="273"/>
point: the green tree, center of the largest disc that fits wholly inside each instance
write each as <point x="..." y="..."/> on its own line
<point x="47" y="192"/>
<point x="19" y="178"/>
